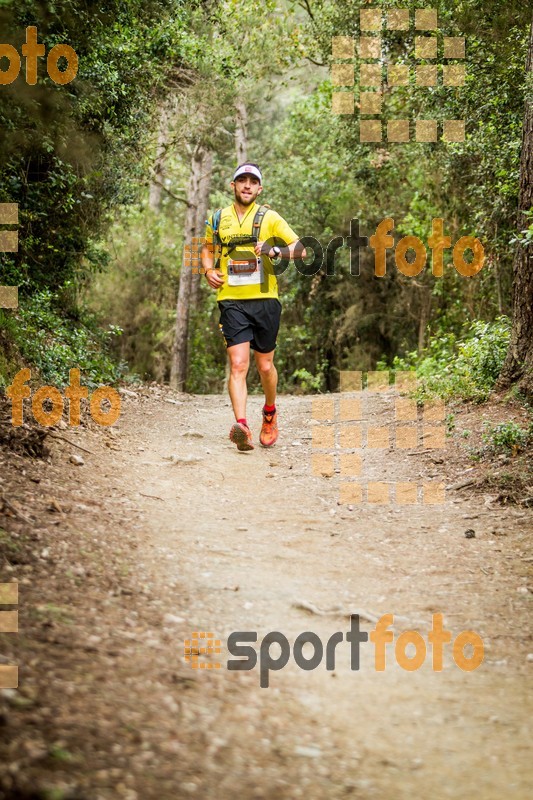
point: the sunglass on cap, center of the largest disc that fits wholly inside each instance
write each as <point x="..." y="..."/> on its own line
<point x="248" y="169"/>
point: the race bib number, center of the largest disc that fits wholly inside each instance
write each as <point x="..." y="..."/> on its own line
<point x="246" y="272"/>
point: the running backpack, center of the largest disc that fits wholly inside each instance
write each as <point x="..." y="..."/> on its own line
<point x="239" y="240"/>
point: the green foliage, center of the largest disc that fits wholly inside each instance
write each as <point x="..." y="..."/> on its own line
<point x="54" y="344"/>
<point x="69" y="155"/>
<point x="353" y="322"/>
<point x="207" y="353"/>
<point x="461" y="369"/>
<point x="78" y="160"/>
<point x="525" y="237"/>
<point x="307" y="382"/>
<point x="507" y="436"/>
<point x="54" y="794"/>
<point x="62" y="754"/>
<point x="139" y="293"/>
<point x="483" y="352"/>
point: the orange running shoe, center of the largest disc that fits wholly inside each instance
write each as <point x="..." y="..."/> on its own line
<point x="269" y="429"/>
<point x="241" y="436"/>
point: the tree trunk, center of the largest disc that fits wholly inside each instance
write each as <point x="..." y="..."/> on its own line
<point x="425" y="309"/>
<point x="241" y="134"/>
<point x="201" y="213"/>
<point x="518" y="366"/>
<point x="156" y="185"/>
<point x="178" y="367"/>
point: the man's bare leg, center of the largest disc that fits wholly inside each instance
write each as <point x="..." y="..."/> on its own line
<point x="239" y="359"/>
<point x="269" y="381"/>
<point x="268" y="374"/>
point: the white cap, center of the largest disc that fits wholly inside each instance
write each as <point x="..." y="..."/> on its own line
<point x="248" y="169"/>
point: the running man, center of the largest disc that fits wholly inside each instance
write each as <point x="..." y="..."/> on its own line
<point x="247" y="294"/>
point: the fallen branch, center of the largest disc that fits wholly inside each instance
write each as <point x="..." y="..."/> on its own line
<point x="343" y="612"/>
<point x="57" y="436"/>
<point x="15" y="510"/>
<point x="334" y="611"/>
<point x="463" y="484"/>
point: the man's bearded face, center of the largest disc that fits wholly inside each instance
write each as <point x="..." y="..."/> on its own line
<point x="246" y="188"/>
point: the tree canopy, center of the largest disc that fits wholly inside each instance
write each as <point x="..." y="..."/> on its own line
<point x="157" y="80"/>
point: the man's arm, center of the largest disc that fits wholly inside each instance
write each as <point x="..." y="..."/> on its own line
<point x="213" y="276"/>
<point x="288" y="251"/>
<point x="281" y="231"/>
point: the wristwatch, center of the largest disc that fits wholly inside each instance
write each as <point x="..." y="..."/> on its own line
<point x="277" y="252"/>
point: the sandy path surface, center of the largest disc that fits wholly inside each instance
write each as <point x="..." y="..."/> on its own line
<point x="167" y="530"/>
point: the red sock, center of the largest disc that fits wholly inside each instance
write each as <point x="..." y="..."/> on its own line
<point x="243" y="422"/>
<point x="269" y="409"/>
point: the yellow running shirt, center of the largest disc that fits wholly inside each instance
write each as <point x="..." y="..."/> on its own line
<point x="241" y="280"/>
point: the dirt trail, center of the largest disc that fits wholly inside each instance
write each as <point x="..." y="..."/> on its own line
<point x="196" y="537"/>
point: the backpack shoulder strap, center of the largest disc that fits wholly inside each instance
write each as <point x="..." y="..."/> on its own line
<point x="258" y="220"/>
<point x="216" y="226"/>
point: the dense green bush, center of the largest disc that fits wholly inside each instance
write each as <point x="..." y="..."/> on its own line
<point x="54" y="344"/>
<point x="507" y="437"/>
<point x="460" y="369"/>
<point x="70" y="155"/>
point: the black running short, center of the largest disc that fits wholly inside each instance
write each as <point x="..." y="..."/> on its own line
<point x="254" y="321"/>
